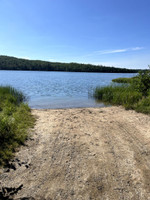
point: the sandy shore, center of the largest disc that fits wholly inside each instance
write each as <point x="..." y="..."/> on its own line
<point x="82" y="154"/>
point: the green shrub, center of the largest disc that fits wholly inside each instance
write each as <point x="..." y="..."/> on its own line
<point x="142" y="82"/>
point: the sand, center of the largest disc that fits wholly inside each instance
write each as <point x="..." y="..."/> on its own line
<point x="82" y="154"/>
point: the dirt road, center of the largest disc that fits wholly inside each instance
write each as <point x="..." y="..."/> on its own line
<point x="83" y="154"/>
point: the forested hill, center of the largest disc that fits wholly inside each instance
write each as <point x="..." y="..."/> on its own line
<point x="12" y="63"/>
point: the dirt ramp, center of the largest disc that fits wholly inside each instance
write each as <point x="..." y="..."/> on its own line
<point x="84" y="154"/>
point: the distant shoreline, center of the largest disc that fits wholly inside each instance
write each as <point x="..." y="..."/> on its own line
<point x="13" y="63"/>
<point x="67" y="71"/>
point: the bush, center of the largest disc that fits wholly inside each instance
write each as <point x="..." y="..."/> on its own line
<point x="142" y="83"/>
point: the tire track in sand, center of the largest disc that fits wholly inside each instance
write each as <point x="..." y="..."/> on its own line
<point x="84" y="154"/>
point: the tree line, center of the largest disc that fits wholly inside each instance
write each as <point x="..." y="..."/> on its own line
<point x="12" y="63"/>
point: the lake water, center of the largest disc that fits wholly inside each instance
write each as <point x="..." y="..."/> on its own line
<point x="58" y="89"/>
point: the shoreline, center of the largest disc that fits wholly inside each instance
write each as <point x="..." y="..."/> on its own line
<point x="71" y="108"/>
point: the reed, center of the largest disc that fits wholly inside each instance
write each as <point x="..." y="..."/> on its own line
<point x="132" y="93"/>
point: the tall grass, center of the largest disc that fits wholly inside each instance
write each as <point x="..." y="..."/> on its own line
<point x="15" y="120"/>
<point x="122" y="80"/>
<point x="133" y="94"/>
<point x="125" y="80"/>
<point x="118" y="95"/>
<point x="143" y="105"/>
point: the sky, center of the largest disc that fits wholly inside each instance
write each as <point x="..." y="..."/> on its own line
<point x="102" y="32"/>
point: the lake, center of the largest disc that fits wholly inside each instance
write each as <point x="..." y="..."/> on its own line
<point x="58" y="89"/>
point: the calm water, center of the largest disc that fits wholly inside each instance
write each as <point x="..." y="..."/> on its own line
<point x="58" y="89"/>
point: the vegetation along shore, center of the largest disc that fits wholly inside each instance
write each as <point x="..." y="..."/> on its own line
<point x="15" y="121"/>
<point x="133" y="93"/>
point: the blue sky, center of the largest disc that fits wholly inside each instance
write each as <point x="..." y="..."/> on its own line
<point x="108" y="32"/>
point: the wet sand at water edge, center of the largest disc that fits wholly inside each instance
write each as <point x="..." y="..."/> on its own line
<point x="82" y="154"/>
